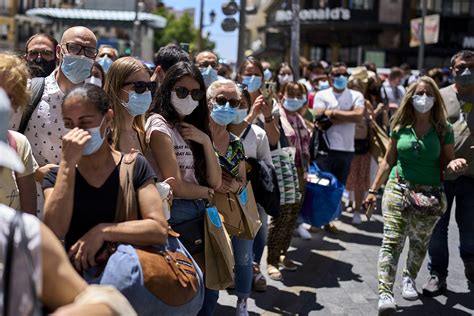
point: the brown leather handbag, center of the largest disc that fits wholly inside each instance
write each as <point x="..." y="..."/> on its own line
<point x="229" y="207"/>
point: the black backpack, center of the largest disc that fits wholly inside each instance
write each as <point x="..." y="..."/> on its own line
<point x="36" y="88"/>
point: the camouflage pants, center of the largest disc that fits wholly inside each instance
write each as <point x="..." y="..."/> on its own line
<point x="280" y="229"/>
<point x="398" y="225"/>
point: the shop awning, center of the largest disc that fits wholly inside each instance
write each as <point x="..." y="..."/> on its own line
<point x="152" y="20"/>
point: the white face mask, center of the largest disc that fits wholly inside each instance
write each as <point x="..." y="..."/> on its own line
<point x="282" y="79"/>
<point x="95" y="81"/>
<point x="422" y="103"/>
<point x="184" y="106"/>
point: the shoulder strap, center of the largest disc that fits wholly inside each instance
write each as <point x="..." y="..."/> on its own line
<point x="37" y="88"/>
<point x="12" y="141"/>
<point x="247" y="130"/>
<point x="127" y="204"/>
<point x="9" y="253"/>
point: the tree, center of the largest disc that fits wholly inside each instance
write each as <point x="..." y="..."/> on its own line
<point x="178" y="31"/>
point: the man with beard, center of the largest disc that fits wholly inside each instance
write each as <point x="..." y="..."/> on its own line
<point x="459" y="100"/>
<point x="41" y="54"/>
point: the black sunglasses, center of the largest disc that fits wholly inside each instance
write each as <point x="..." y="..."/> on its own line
<point x="76" y="49"/>
<point x="141" y="86"/>
<point x="221" y="100"/>
<point x="183" y="92"/>
<point x="339" y="75"/>
<point x="207" y="64"/>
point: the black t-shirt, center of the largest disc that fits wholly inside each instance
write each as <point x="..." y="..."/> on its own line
<point x="92" y="205"/>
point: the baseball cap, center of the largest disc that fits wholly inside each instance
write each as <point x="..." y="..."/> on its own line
<point x="8" y="156"/>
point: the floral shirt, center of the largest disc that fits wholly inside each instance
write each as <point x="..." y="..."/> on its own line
<point x="233" y="157"/>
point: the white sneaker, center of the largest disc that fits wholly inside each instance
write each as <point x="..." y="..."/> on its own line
<point x="409" y="289"/>
<point x="386" y="305"/>
<point x="303" y="232"/>
<point x="241" y="309"/>
<point x="356" y="219"/>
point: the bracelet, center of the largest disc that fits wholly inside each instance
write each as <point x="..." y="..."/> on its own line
<point x="269" y="119"/>
<point x="210" y="197"/>
<point x="372" y="191"/>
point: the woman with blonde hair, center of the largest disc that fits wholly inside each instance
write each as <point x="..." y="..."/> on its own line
<point x="130" y="91"/>
<point x="17" y="189"/>
<point x="420" y="150"/>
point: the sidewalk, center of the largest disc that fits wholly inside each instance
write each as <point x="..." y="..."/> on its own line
<point x="339" y="277"/>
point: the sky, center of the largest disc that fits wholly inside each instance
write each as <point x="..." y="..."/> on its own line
<point x="226" y="42"/>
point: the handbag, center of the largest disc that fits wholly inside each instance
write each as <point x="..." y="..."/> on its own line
<point x="378" y="142"/>
<point x="322" y="202"/>
<point x="284" y="161"/>
<point x="219" y="257"/>
<point x="191" y="234"/>
<point x="361" y="146"/>
<point x="251" y="218"/>
<point x="229" y="207"/>
<point x="167" y="272"/>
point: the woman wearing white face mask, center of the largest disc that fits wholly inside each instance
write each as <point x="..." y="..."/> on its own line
<point x="130" y="91"/>
<point x="283" y="74"/>
<point x="97" y="76"/>
<point x="420" y="150"/>
<point x="179" y="145"/>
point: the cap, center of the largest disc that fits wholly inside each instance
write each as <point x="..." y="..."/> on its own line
<point x="8" y="156"/>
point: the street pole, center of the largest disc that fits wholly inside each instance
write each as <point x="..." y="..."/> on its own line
<point x="136" y="31"/>
<point x="421" y="48"/>
<point x="241" y="45"/>
<point x="295" y="38"/>
<point x="201" y="26"/>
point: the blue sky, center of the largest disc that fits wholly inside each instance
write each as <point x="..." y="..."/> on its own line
<point x="226" y="42"/>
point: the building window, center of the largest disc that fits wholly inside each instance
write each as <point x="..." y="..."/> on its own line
<point x="456" y="7"/>
<point x="347" y="4"/>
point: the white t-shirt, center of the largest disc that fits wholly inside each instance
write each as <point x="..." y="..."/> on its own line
<point x="340" y="136"/>
<point x="183" y="153"/>
<point x="256" y="144"/>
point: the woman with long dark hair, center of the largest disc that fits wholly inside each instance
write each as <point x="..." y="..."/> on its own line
<point x="180" y="146"/>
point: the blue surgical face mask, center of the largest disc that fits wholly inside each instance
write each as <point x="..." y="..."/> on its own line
<point x="105" y="62"/>
<point x="138" y="104"/>
<point x="76" y="68"/>
<point x="223" y="114"/>
<point x="293" y="104"/>
<point x="253" y="82"/>
<point x="323" y="85"/>
<point x="240" y="117"/>
<point x="267" y="74"/>
<point x="340" y="82"/>
<point x="95" y="142"/>
<point x="209" y="75"/>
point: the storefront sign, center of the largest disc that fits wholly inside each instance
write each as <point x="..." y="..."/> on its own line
<point x="314" y="15"/>
<point x="431" y="33"/>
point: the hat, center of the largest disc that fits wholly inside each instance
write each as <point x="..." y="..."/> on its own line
<point x="359" y="73"/>
<point x="8" y="156"/>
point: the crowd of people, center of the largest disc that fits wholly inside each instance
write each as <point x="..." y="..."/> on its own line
<point x="74" y="118"/>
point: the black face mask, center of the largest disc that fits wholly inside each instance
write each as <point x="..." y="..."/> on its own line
<point x="41" y="68"/>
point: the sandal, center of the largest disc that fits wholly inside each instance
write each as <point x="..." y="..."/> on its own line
<point x="274" y="273"/>
<point x="259" y="282"/>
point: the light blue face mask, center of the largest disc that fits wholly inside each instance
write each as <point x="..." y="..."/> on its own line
<point x="76" y="68"/>
<point x="96" y="140"/>
<point x="323" y="85"/>
<point x="240" y="116"/>
<point x="209" y="75"/>
<point x="294" y="104"/>
<point x="340" y="82"/>
<point x="138" y="104"/>
<point x="223" y="114"/>
<point x="267" y="74"/>
<point x="105" y="62"/>
<point x="253" y="82"/>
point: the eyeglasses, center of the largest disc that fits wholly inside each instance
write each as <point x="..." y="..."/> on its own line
<point x="339" y="75"/>
<point x="183" y="92"/>
<point x="111" y="56"/>
<point x="141" y="86"/>
<point x="45" y="54"/>
<point x="76" y="49"/>
<point x="221" y="100"/>
<point x="207" y="64"/>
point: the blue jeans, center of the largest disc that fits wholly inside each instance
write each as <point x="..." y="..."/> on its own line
<point x="182" y="211"/>
<point x="243" y="250"/>
<point x="336" y="162"/>
<point x="261" y="239"/>
<point x="462" y="189"/>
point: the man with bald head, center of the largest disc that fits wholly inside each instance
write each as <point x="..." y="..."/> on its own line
<point x="76" y="53"/>
<point x="208" y="64"/>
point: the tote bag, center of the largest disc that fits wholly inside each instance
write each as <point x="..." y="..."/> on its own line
<point x="284" y="161"/>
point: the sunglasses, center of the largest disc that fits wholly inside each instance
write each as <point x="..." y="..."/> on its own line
<point x="105" y="54"/>
<point x="183" y="92"/>
<point x="76" y="49"/>
<point x="46" y="54"/>
<point x="339" y="75"/>
<point x="207" y="64"/>
<point x="221" y="100"/>
<point x="141" y="86"/>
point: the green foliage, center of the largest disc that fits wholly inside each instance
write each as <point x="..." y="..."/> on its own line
<point x="178" y="31"/>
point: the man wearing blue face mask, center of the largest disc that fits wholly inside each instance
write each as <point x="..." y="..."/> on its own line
<point x="207" y="63"/>
<point x="459" y="99"/>
<point x="44" y="127"/>
<point x="106" y="56"/>
<point x="344" y="107"/>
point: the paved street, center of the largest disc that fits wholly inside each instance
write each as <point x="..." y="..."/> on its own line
<point x="338" y="277"/>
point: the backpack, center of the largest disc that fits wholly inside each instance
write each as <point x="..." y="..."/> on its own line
<point x="37" y="89"/>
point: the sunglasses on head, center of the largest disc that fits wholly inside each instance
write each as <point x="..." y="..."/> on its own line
<point x="141" y="86"/>
<point x="183" y="92"/>
<point x="221" y="100"/>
